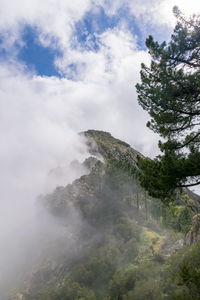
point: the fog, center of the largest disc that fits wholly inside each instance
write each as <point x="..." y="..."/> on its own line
<point x="26" y="172"/>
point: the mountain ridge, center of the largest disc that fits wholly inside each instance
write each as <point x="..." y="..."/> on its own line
<point x="109" y="234"/>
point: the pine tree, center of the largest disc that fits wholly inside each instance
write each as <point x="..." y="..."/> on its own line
<point x="170" y="92"/>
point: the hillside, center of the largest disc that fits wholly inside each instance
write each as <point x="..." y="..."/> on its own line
<point x="111" y="240"/>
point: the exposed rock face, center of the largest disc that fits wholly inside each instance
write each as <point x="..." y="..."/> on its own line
<point x="169" y="248"/>
<point x="193" y="235"/>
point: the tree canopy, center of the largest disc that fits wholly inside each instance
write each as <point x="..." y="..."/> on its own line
<point x="170" y="92"/>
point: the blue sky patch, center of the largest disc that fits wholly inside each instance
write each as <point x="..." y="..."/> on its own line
<point x="3" y="52"/>
<point x="36" y="56"/>
<point x="96" y="22"/>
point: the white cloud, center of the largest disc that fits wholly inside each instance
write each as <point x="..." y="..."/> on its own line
<point x="36" y="137"/>
<point x="153" y="11"/>
<point x="54" y="19"/>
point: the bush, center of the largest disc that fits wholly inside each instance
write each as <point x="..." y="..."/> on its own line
<point x="121" y="284"/>
<point x="99" y="268"/>
<point x="131" y="251"/>
<point x="126" y="229"/>
<point x="145" y="290"/>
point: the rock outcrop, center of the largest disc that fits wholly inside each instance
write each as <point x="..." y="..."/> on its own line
<point x="193" y="235"/>
<point x="104" y="144"/>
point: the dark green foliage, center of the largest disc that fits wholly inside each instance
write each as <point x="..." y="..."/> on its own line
<point x="71" y="290"/>
<point x="178" y="218"/>
<point x="99" y="268"/>
<point x="182" y="275"/>
<point x="184" y="220"/>
<point x="126" y="229"/>
<point x="189" y="279"/>
<point x="177" y="280"/>
<point x="176" y="215"/>
<point x="170" y="93"/>
<point x="121" y="283"/>
<point x="161" y="176"/>
<point x="140" y="282"/>
<point x="131" y="249"/>
<point x="144" y="290"/>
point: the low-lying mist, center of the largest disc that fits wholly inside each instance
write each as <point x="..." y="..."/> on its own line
<point x="25" y="230"/>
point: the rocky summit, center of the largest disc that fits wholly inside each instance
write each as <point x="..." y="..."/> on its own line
<point x="101" y="142"/>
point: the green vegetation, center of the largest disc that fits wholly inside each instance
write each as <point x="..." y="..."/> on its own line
<point x="126" y="247"/>
<point x="169" y="92"/>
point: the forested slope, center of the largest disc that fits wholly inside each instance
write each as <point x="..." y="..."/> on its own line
<point x="114" y="241"/>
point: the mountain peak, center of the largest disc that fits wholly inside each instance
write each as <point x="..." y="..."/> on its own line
<point x="103" y="143"/>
